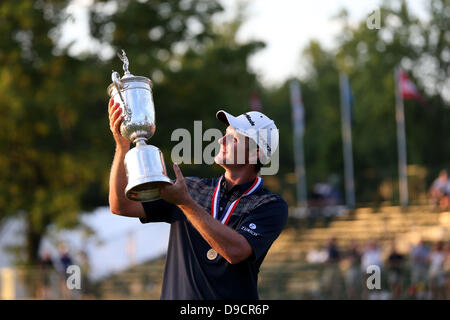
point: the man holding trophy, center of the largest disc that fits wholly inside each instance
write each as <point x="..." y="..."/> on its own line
<point x="221" y="228"/>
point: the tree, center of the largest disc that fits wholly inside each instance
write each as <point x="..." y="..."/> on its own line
<point x="55" y="146"/>
<point x="195" y="71"/>
<point x="212" y="77"/>
<point x="320" y="95"/>
<point x="369" y="57"/>
<point x="52" y="146"/>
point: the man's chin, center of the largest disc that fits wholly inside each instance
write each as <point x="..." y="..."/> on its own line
<point x="219" y="160"/>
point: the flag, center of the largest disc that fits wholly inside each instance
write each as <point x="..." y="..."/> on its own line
<point x="299" y="157"/>
<point x="408" y="89"/>
<point x="347" y="102"/>
<point x="255" y="102"/>
<point x="404" y="89"/>
<point x="347" y="95"/>
<point x="297" y="107"/>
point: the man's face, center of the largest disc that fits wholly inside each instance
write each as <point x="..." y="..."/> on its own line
<point x="233" y="148"/>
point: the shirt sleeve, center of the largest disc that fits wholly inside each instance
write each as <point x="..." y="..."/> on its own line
<point x="160" y="211"/>
<point x="263" y="225"/>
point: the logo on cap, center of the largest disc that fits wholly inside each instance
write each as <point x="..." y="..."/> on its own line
<point x="249" y="119"/>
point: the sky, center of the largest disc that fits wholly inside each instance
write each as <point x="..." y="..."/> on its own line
<point x="293" y="23"/>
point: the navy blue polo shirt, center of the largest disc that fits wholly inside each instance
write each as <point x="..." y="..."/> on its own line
<point x="189" y="273"/>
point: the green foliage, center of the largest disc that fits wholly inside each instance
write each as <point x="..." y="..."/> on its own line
<point x="56" y="147"/>
<point x="211" y="78"/>
<point x="52" y="149"/>
<point x="55" y="144"/>
<point x="369" y="58"/>
<point x="196" y="67"/>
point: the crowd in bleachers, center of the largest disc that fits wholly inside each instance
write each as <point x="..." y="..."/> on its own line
<point x="421" y="273"/>
<point x="439" y="191"/>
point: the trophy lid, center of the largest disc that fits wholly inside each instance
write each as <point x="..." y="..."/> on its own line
<point x="126" y="64"/>
<point x="127" y="77"/>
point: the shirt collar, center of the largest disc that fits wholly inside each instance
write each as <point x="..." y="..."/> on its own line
<point x="240" y="188"/>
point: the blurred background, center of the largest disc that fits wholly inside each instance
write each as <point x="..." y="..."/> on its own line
<point x="360" y="92"/>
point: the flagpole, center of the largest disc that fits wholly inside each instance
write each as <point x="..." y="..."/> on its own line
<point x="401" y="141"/>
<point x="298" y="125"/>
<point x="347" y="141"/>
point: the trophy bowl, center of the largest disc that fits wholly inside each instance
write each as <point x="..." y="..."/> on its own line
<point x="144" y="164"/>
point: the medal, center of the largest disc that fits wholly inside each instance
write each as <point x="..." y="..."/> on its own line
<point x="211" y="254"/>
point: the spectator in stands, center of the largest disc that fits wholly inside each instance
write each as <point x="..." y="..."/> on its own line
<point x="440" y="190"/>
<point x="46" y="268"/>
<point x="419" y="268"/>
<point x="333" y="251"/>
<point x="85" y="271"/>
<point x="436" y="275"/>
<point x="353" y="276"/>
<point x="396" y="269"/>
<point x="447" y="270"/>
<point x="371" y="257"/>
<point x="65" y="260"/>
<point x="317" y="255"/>
<point x="332" y="278"/>
<point x="326" y="194"/>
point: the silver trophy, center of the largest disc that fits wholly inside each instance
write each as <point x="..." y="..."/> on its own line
<point x="144" y="163"/>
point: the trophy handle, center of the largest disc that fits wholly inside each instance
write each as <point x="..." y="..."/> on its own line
<point x="117" y="83"/>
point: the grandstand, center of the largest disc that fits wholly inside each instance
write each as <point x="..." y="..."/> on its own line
<point x="285" y="273"/>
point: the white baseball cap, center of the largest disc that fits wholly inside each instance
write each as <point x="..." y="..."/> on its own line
<point x="255" y="125"/>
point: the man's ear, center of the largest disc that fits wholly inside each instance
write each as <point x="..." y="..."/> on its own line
<point x="253" y="156"/>
<point x="253" y="153"/>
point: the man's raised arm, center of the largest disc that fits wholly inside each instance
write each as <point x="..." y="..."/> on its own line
<point x="118" y="203"/>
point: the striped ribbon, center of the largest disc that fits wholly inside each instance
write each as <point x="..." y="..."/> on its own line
<point x="229" y="210"/>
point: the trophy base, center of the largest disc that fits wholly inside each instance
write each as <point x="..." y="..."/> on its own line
<point x="146" y="173"/>
<point x="145" y="192"/>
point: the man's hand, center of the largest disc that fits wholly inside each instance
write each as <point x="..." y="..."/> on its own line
<point x="118" y="203"/>
<point x="227" y="242"/>
<point x="115" y="119"/>
<point x="176" y="193"/>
